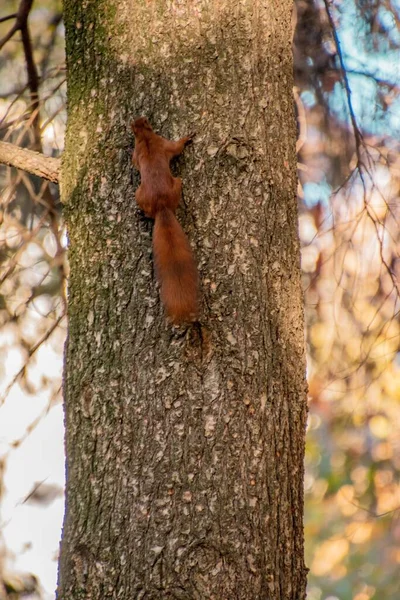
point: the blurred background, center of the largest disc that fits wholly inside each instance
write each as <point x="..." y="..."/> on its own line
<point x="347" y="79"/>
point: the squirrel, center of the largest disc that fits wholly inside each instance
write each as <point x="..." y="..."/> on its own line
<point x="158" y="196"/>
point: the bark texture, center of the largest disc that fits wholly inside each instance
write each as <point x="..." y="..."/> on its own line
<point x="184" y="445"/>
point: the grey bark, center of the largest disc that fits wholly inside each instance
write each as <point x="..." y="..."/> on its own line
<point x="184" y="445"/>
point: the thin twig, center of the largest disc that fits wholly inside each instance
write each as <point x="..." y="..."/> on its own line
<point x="4" y="19"/>
<point x="356" y="130"/>
<point x="31" y="352"/>
<point x="21" y="19"/>
<point x="8" y="35"/>
<point x="48" y="48"/>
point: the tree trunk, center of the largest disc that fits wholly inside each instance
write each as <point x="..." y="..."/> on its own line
<point x="184" y="445"/>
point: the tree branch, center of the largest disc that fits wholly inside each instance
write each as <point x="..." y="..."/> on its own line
<point x="8" y="17"/>
<point x="21" y="19"/>
<point x="30" y="161"/>
<point x="33" y="80"/>
<point x="37" y="164"/>
<point x="8" y="35"/>
<point x="357" y="133"/>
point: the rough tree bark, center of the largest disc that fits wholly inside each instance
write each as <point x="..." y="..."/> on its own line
<point x="184" y="445"/>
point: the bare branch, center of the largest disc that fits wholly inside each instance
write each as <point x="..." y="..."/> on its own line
<point x="48" y="48"/>
<point x="20" y="20"/>
<point x="31" y="352"/>
<point x="8" y="35"/>
<point x="8" y="17"/>
<point x="30" y="161"/>
<point x="356" y="130"/>
<point x="33" y="82"/>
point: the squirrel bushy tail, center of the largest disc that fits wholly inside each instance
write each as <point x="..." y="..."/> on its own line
<point x="175" y="268"/>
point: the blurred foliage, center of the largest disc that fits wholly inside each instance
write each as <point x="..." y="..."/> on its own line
<point x="32" y="278"/>
<point x="348" y="105"/>
<point x="31" y="236"/>
<point x="349" y="113"/>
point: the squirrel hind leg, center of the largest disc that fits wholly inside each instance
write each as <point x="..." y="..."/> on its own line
<point x="146" y="207"/>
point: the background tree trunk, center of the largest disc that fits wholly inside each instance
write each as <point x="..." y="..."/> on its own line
<point x="184" y="446"/>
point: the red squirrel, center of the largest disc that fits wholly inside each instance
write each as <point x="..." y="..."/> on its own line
<point x="158" y="196"/>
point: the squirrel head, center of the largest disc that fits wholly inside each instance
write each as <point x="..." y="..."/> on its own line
<point x="141" y="125"/>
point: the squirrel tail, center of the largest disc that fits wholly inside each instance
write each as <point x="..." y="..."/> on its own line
<point x="175" y="268"/>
